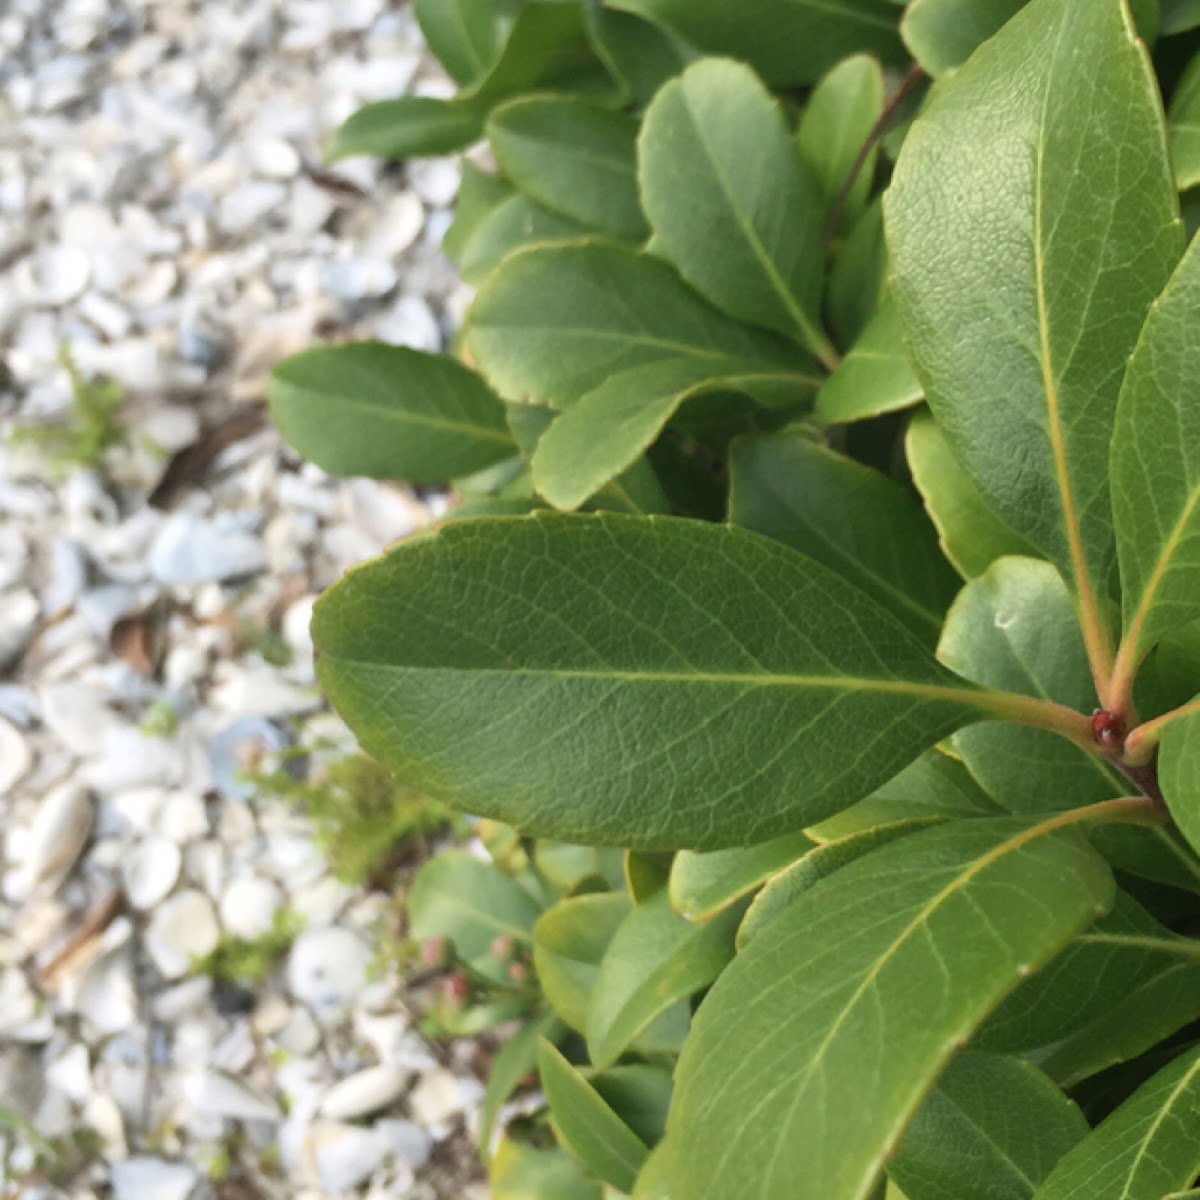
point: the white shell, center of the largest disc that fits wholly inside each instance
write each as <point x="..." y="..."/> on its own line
<point x="15" y="757"/>
<point x="218" y="1095"/>
<point x="327" y="968"/>
<point x="341" y="1156"/>
<point x="59" y="832"/>
<point x="182" y="928"/>
<point x="364" y="1092"/>
<point x="152" y="1179"/>
<point x="249" y="905"/>
<point x="150" y="870"/>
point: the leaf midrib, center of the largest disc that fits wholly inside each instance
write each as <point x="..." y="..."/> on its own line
<point x="1160" y="1116"/>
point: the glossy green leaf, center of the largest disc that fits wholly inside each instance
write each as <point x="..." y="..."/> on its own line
<point x="609" y="428"/>
<point x="520" y="1172"/>
<point x="574" y="156"/>
<point x="471" y="903"/>
<point x="551" y="324"/>
<point x="787" y="41"/>
<point x="857" y="278"/>
<point x="586" y="1125"/>
<point x="1015" y="627"/>
<point x="367" y="408"/>
<point x="405" y="127"/>
<point x="513" y="223"/>
<point x="1111" y="995"/>
<point x="836" y="124"/>
<point x="652" y="1181"/>
<point x="817" y="1045"/>
<point x="480" y="192"/>
<point x="1156" y="472"/>
<point x="875" y="377"/>
<point x="640" y="1095"/>
<point x="497" y="663"/>
<point x="641" y="55"/>
<point x="464" y="35"/>
<point x="703" y="885"/>
<point x="1183" y="127"/>
<point x="515" y="1061"/>
<point x="1179" y="772"/>
<point x="569" y="941"/>
<point x="1178" y="16"/>
<point x="1032" y="220"/>
<point x="785" y="888"/>
<point x="749" y="235"/>
<point x="943" y="34"/>
<point x="992" y="1127"/>
<point x="655" y="959"/>
<point x="1149" y="1146"/>
<point x="854" y="520"/>
<point x="972" y="536"/>
<point x="645" y="873"/>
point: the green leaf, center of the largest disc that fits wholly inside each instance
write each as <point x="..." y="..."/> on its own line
<point x="586" y="1125"/>
<point x="609" y="428"/>
<point x="514" y="222"/>
<point x="1032" y="220"/>
<point x="516" y="1060"/>
<point x="652" y="1181"/>
<point x="464" y="35"/>
<point x="366" y="408"/>
<point x="573" y="156"/>
<point x="786" y="41"/>
<point x="943" y="34"/>
<point x="471" y="903"/>
<point x="1014" y="627"/>
<point x="1156" y="474"/>
<point x="1178" y="16"/>
<point x="972" y="536"/>
<point x="785" y="888"/>
<point x="703" y="885"/>
<point x="497" y="662"/>
<point x="837" y="121"/>
<point x="1179" y="773"/>
<point x="569" y="941"/>
<point x="640" y="1095"/>
<point x="553" y="323"/>
<point x="749" y="235"/>
<point x="875" y="377"/>
<point x="1111" y="995"/>
<point x="480" y="192"/>
<point x="645" y="873"/>
<point x="1149" y="1146"/>
<point x="858" y="278"/>
<point x="854" y="520"/>
<point x="816" y="1046"/>
<point x="403" y="128"/>
<point x="641" y="55"/>
<point x="1183" y="127"/>
<point x="992" y="1127"/>
<point x="520" y="1172"/>
<point x="655" y="959"/>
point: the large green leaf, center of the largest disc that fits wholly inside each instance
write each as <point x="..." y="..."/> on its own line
<point x="551" y="324"/>
<point x="817" y="1045"/>
<point x="513" y="222"/>
<point x="655" y="959"/>
<point x="836" y="124"/>
<point x="521" y="1172"/>
<point x="514" y="1062"/>
<point x="786" y="41"/>
<point x="480" y="193"/>
<point x="641" y="55"/>
<point x="702" y="885"/>
<point x="408" y="126"/>
<point x="972" y="536"/>
<point x="569" y="941"/>
<point x="1015" y="627"/>
<point x="586" y="1125"/>
<point x="992" y="1127"/>
<point x="748" y="235"/>
<point x="942" y="34"/>
<point x="1156" y="473"/>
<point x="464" y="35"/>
<point x="573" y="156"/>
<point x="366" y="408"/>
<point x="854" y="520"/>
<point x="1183" y="125"/>
<point x="1148" y="1147"/>
<point x="471" y="903"/>
<point x="858" y="278"/>
<point x="1179" y="772"/>
<point x="609" y="428"/>
<point x="498" y="662"/>
<point x="875" y="377"/>
<point x="1032" y="220"/>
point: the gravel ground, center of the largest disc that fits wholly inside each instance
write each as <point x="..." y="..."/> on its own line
<point x="164" y="215"/>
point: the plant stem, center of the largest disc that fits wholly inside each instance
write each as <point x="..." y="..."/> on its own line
<point x="1126" y="810"/>
<point x="1041" y="714"/>
<point x="1184" y="947"/>
<point x="910" y="80"/>
<point x="1143" y="741"/>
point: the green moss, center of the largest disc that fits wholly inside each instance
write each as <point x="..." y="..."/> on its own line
<point x="243" y="960"/>
<point x="270" y="646"/>
<point x="363" y="815"/>
<point x="90" y="429"/>
<point x="159" y="720"/>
